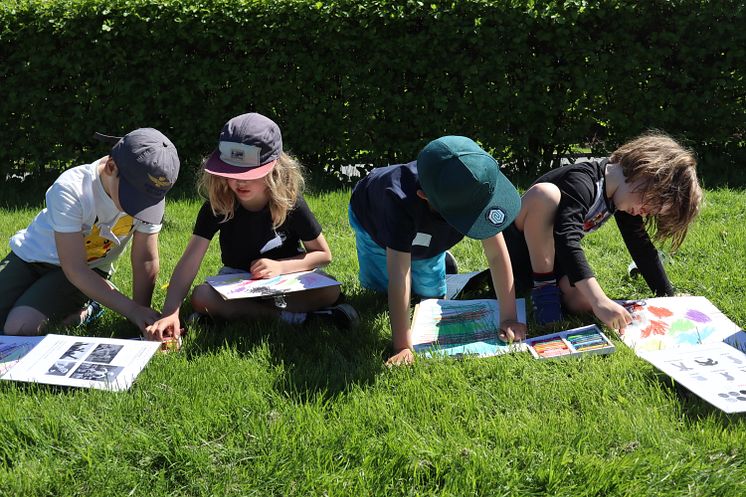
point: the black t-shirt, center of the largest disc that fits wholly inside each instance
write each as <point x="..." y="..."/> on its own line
<point x="248" y="235"/>
<point x="386" y="205"/>
<point x="583" y="208"/>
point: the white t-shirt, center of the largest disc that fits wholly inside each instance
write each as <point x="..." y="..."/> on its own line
<point x="77" y="202"/>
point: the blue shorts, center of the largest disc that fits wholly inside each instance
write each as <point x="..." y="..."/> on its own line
<point x="428" y="275"/>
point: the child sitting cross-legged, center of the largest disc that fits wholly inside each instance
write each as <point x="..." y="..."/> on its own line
<point x="649" y="182"/>
<point x="255" y="202"/>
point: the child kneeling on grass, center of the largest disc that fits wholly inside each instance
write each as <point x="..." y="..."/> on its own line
<point x="255" y="202"/>
<point x="65" y="256"/>
<point x="649" y="182"/>
<point x="406" y="216"/>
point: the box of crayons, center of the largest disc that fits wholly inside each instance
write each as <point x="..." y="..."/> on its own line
<point x="588" y="339"/>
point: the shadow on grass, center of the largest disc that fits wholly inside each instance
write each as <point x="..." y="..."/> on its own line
<point x="317" y="359"/>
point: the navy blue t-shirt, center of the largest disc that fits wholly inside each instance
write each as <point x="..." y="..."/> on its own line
<point x="386" y="204"/>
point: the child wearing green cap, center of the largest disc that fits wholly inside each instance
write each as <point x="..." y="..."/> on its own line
<point x="406" y="216"/>
<point x="66" y="255"/>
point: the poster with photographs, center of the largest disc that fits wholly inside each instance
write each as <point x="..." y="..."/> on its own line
<point x="104" y="363"/>
<point x="716" y="372"/>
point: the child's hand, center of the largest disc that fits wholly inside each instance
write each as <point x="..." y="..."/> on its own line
<point x="511" y="331"/>
<point x="168" y="326"/>
<point x="612" y="314"/>
<point x="265" y="268"/>
<point x="404" y="356"/>
<point x="142" y="316"/>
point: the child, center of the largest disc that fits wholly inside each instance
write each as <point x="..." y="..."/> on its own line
<point x="255" y="202"/>
<point x="65" y="255"/>
<point x="649" y="182"/>
<point x="406" y="216"/>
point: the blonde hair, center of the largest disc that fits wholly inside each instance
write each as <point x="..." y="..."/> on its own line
<point x="284" y="183"/>
<point x="668" y="174"/>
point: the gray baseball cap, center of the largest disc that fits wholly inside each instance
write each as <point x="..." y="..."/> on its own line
<point x="148" y="166"/>
<point x="248" y="148"/>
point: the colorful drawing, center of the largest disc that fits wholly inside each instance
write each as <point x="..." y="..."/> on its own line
<point x="672" y="322"/>
<point x="456" y="327"/>
<point x="13" y="348"/>
<point x="242" y="286"/>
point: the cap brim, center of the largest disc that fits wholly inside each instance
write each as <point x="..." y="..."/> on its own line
<point x="142" y="207"/>
<point x="499" y="212"/>
<point x="109" y="139"/>
<point x="219" y="168"/>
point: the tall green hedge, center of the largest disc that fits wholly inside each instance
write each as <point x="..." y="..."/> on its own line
<point x="372" y="80"/>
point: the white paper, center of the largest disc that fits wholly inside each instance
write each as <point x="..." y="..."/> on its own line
<point x="241" y="286"/>
<point x="457" y="327"/>
<point x="716" y="372"/>
<point x="103" y="363"/>
<point x="13" y="348"/>
<point x="675" y="322"/>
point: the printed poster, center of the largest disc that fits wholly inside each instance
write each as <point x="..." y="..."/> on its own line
<point x="716" y="372"/>
<point x="103" y="363"/>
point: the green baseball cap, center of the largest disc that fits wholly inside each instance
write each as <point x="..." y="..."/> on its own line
<point x="463" y="183"/>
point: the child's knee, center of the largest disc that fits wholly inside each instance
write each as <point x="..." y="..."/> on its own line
<point x="542" y="196"/>
<point x="202" y="298"/>
<point x="24" y="320"/>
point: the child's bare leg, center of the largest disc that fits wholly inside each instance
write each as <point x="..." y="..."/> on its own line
<point x="206" y="300"/>
<point x="311" y="300"/>
<point x="575" y="302"/>
<point x="536" y="221"/>
<point x="24" y="320"/>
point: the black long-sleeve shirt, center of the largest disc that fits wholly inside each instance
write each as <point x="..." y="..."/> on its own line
<point x="583" y="208"/>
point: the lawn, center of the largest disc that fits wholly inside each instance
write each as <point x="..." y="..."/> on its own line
<point x="259" y="408"/>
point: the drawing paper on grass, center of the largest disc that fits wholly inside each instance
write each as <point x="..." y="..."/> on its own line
<point x="673" y="322"/>
<point x="455" y="327"/>
<point x="242" y="286"/>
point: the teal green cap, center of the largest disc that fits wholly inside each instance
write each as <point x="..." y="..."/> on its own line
<point x="463" y="183"/>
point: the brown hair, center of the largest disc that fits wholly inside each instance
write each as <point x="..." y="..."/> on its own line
<point x="285" y="182"/>
<point x="668" y="174"/>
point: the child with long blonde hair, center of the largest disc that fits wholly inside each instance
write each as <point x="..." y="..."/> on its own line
<point x="253" y="190"/>
<point x="647" y="184"/>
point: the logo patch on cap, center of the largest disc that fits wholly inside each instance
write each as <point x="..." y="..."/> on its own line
<point x="160" y="182"/>
<point x="495" y="216"/>
<point x="237" y="154"/>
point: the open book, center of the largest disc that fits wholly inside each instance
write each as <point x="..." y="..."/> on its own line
<point x="103" y="363"/>
<point x="242" y="286"/>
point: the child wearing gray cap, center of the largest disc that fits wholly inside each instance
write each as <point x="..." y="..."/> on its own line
<point x="65" y="257"/>
<point x="254" y="201"/>
<point x="406" y="216"/>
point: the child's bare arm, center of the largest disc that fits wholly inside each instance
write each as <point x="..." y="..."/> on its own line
<point x="178" y="287"/>
<point x="398" y="266"/>
<point x="145" y="266"/>
<point x="71" y="250"/>
<point x="609" y="312"/>
<point x="498" y="259"/>
<point x="317" y="254"/>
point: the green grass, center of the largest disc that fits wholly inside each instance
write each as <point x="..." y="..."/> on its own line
<point x="264" y="409"/>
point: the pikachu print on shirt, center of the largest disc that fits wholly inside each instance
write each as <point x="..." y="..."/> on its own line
<point x="104" y="237"/>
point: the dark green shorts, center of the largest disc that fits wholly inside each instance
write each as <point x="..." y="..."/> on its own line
<point x="39" y="285"/>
